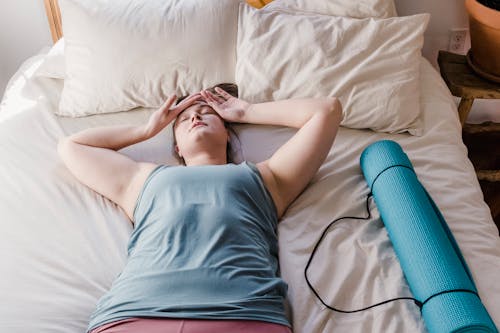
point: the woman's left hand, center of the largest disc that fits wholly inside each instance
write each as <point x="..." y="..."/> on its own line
<point x="230" y="108"/>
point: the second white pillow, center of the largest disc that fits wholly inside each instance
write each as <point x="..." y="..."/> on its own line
<point x="372" y="65"/>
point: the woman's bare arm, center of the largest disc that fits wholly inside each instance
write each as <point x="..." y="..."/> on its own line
<point x="91" y="156"/>
<point x="109" y="137"/>
<point x="289" y="112"/>
<point x="295" y="163"/>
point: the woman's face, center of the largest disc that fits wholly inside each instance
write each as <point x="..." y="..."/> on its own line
<point x="199" y="127"/>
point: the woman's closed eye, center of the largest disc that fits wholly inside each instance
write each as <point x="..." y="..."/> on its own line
<point x="203" y="111"/>
<point x="207" y="110"/>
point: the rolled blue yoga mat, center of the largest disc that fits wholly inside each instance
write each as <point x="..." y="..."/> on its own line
<point x="429" y="255"/>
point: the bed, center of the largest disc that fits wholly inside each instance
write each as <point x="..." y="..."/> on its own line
<point x="63" y="244"/>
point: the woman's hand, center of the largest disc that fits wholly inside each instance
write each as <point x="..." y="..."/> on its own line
<point x="165" y="115"/>
<point x="230" y="108"/>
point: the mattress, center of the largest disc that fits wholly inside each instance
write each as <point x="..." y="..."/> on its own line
<point x="63" y="244"/>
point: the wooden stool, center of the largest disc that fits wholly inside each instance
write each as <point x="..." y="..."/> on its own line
<point x="464" y="83"/>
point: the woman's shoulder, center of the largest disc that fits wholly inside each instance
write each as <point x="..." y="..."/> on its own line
<point x="263" y="172"/>
<point x="142" y="176"/>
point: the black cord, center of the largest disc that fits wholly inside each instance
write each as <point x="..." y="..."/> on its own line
<point x="420" y="304"/>
<point x="381" y="172"/>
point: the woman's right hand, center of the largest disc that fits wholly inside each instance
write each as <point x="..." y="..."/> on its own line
<point x="165" y="114"/>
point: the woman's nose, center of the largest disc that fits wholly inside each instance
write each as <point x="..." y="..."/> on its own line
<point x="195" y="116"/>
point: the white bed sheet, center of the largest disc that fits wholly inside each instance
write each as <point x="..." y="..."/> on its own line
<point x="64" y="244"/>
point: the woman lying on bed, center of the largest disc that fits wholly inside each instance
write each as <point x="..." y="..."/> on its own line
<point x="203" y="255"/>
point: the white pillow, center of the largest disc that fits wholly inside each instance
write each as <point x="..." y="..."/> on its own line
<point x="122" y="54"/>
<point x="372" y="65"/>
<point x="349" y="8"/>
<point x="53" y="62"/>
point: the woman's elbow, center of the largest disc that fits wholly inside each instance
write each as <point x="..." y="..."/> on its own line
<point x="333" y="107"/>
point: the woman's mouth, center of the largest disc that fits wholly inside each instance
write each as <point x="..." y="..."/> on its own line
<point x="199" y="123"/>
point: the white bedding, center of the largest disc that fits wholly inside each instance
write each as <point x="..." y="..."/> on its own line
<point x="64" y="244"/>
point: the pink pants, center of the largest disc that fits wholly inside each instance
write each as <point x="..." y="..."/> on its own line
<point x="167" y="325"/>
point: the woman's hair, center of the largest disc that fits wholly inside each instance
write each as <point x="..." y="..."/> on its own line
<point x="232" y="89"/>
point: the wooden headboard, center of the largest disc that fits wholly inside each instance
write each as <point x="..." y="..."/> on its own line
<point x="54" y="15"/>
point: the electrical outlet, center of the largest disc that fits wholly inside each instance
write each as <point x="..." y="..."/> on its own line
<point x="457" y="40"/>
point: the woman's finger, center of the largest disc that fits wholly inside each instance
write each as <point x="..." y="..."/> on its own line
<point x="191" y="98"/>
<point x="187" y="102"/>
<point x="223" y="93"/>
<point x="168" y="103"/>
<point x="207" y="97"/>
<point x="210" y="101"/>
<point x="214" y="97"/>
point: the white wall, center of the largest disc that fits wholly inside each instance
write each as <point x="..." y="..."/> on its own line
<point x="24" y="31"/>
<point x="447" y="15"/>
